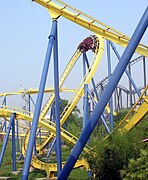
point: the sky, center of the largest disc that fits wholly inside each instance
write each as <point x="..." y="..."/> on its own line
<point x="25" y="27"/>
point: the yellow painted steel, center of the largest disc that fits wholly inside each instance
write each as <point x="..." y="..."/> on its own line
<point x="65" y="135"/>
<point x="139" y="114"/>
<point x="50" y="168"/>
<point x="35" y="91"/>
<point x="130" y="122"/>
<point x="73" y="102"/>
<point x="62" y="9"/>
<point x="6" y="113"/>
<point x="62" y="79"/>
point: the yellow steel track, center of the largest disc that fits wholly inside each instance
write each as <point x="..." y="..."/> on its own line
<point x="58" y="8"/>
<point x="74" y="100"/>
<point x="137" y="114"/>
<point x="65" y="135"/>
<point x="35" y="91"/>
<point x="62" y="79"/>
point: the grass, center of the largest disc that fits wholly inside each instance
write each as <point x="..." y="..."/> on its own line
<point x="6" y="168"/>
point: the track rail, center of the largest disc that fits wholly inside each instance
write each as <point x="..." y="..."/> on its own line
<point x="58" y="8"/>
<point x="65" y="135"/>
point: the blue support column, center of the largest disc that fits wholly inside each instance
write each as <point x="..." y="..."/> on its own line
<point x="109" y="89"/>
<point x="85" y="99"/>
<point x="38" y="104"/>
<point x="13" y="148"/>
<point x="5" y="122"/>
<point x="85" y="117"/>
<point x="29" y="107"/>
<point x="32" y="100"/>
<point x="51" y="147"/>
<point x="126" y="71"/>
<point x="6" y="138"/>
<point x="109" y="75"/>
<point x="93" y="82"/>
<point x="102" y="116"/>
<point x="96" y="94"/>
<point x="57" y="103"/>
<point x="17" y="136"/>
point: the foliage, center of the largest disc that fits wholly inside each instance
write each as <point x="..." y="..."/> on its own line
<point x="120" y="115"/>
<point x="74" y="121"/>
<point x="137" y="168"/>
<point x="114" y="153"/>
<point x="110" y="157"/>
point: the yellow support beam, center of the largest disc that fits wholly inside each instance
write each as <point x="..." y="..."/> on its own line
<point x="35" y="91"/>
<point x="139" y="114"/>
<point x="50" y="126"/>
<point x="62" y="9"/>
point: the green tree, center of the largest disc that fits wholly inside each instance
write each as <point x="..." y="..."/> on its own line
<point x="137" y="168"/>
<point x="74" y="121"/>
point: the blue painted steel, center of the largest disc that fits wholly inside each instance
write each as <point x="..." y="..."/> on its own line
<point x="85" y="98"/>
<point x="86" y="115"/>
<point x="13" y="147"/>
<point x="40" y="134"/>
<point x="4" y="126"/>
<point x="32" y="100"/>
<point x="52" y="112"/>
<point x="29" y="107"/>
<point x="20" y="157"/>
<point x="93" y="81"/>
<point x="38" y="104"/>
<point x="34" y="149"/>
<point x="102" y="116"/>
<point x="5" y="122"/>
<point x="17" y="136"/>
<point x="104" y="123"/>
<point x="111" y="120"/>
<point x="6" y="138"/>
<point x="126" y="71"/>
<point x="51" y="147"/>
<point x="57" y="103"/>
<point x="118" y="72"/>
<point x="96" y="94"/>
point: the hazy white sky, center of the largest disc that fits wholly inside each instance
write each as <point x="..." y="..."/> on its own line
<point x="24" y="30"/>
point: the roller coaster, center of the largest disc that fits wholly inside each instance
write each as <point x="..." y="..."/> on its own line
<point x="97" y="98"/>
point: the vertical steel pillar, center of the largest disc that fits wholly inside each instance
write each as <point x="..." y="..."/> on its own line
<point x="96" y="94"/>
<point x="5" y="122"/>
<point x="40" y="134"/>
<point x="130" y="87"/>
<point x="144" y="72"/>
<point x="126" y="71"/>
<point x="127" y="100"/>
<point x="85" y="117"/>
<point x="102" y="116"/>
<point x="38" y="104"/>
<point x="13" y="147"/>
<point x="93" y="82"/>
<point x="121" y="98"/>
<point x="6" y="138"/>
<point x="85" y="99"/>
<point x="57" y="102"/>
<point x="29" y="107"/>
<point x="17" y="136"/>
<point x="51" y="147"/>
<point x="111" y="120"/>
<point x="115" y="92"/>
<point x="118" y="72"/>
